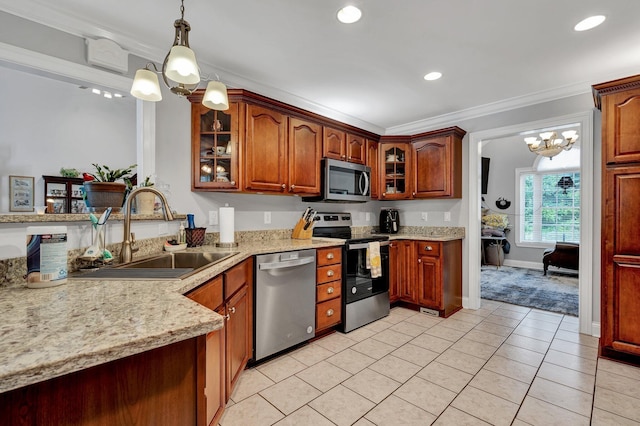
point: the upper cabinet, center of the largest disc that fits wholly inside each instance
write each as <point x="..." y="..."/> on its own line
<point x="341" y="145"/>
<point x="437" y="164"/>
<point x="265" y="150"/>
<point x="395" y="169"/>
<point x="305" y="153"/>
<point x="372" y="162"/>
<point x="215" y="147"/>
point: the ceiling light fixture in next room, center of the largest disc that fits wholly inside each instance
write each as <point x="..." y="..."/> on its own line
<point x="589" y="23"/>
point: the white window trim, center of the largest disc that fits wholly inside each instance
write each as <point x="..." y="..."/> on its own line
<point x="519" y="214"/>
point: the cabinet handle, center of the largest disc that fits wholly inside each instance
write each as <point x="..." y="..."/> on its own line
<point x="330" y="312"/>
<point x="330" y="290"/>
<point x="330" y="273"/>
<point x="292" y="188"/>
<point x="428" y="248"/>
<point x="330" y="256"/>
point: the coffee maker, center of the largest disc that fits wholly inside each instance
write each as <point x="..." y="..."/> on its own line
<point x="389" y="221"/>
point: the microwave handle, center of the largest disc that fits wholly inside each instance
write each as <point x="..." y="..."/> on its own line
<point x="364" y="190"/>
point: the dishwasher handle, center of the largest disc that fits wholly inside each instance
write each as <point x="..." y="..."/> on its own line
<point x="286" y="263"/>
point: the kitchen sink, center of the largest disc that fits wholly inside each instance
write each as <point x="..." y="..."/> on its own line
<point x="167" y="266"/>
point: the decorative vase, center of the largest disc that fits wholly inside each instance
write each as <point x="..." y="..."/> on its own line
<point x="145" y="202"/>
<point x="101" y="195"/>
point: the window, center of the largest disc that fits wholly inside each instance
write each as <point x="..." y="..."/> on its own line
<point x="549" y="201"/>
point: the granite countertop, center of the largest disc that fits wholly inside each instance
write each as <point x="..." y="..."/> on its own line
<point x="46" y="333"/>
<point x="422" y="233"/>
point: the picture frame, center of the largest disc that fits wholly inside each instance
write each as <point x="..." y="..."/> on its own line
<point x="21" y="190"/>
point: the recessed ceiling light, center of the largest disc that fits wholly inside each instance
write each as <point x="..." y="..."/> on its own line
<point x="433" y="76"/>
<point x="349" y="14"/>
<point x="590" y="22"/>
<point x="96" y="91"/>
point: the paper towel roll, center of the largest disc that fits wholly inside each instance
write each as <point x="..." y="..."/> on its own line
<point x="226" y="225"/>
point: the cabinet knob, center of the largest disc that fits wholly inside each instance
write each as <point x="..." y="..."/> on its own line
<point x="413" y="194"/>
<point x="330" y="273"/>
<point x="419" y="260"/>
<point x="227" y="317"/>
<point x="349" y="158"/>
<point x="428" y="248"/>
<point x="330" y="256"/>
<point x="384" y="194"/>
<point x="343" y="156"/>
<point x="233" y="182"/>
<point x="283" y="186"/>
<point x="232" y="310"/>
<point x="330" y="290"/>
<point x="330" y="312"/>
<point x="292" y="188"/>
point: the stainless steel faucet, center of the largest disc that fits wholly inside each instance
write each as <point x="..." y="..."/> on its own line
<point x="125" y="250"/>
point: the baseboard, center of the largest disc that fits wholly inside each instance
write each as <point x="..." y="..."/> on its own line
<point x="595" y="329"/>
<point x="523" y="264"/>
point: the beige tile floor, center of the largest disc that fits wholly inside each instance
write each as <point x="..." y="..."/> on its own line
<point x="499" y="365"/>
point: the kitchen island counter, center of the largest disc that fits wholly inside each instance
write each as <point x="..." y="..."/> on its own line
<point x="46" y="333"/>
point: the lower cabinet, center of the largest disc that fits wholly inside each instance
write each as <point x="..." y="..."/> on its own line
<point x="329" y="288"/>
<point x="427" y="274"/>
<point x="227" y="350"/>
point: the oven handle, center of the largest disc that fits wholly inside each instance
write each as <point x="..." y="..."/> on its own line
<point x="365" y="245"/>
<point x="286" y="263"/>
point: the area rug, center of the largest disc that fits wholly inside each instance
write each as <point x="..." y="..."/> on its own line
<point x="556" y="292"/>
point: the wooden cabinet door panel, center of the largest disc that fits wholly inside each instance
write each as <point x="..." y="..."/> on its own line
<point x="328" y="314"/>
<point x="356" y="149"/>
<point x="372" y="161"/>
<point x="407" y="276"/>
<point x="329" y="256"/>
<point x="429" y="282"/>
<point x="265" y="149"/>
<point x="237" y="336"/>
<point x="621" y="127"/>
<point x="432" y="168"/>
<point x="626" y="307"/>
<point x="395" y="267"/>
<point x="624" y="198"/>
<point x="215" y="385"/>
<point x="333" y="144"/>
<point x="305" y="153"/>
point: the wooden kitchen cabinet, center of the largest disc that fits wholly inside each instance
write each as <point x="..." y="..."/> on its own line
<point x="344" y="146"/>
<point x="328" y="288"/>
<point x="395" y="171"/>
<point x="305" y="152"/>
<point x="210" y="295"/>
<point x="620" y="270"/>
<point x="374" y="163"/>
<point x="406" y="271"/>
<point x="395" y="267"/>
<point x="439" y="277"/>
<point x="437" y="164"/>
<point x="215" y="146"/>
<point x="238" y="290"/>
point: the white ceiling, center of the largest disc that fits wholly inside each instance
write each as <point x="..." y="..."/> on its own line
<point x="492" y="52"/>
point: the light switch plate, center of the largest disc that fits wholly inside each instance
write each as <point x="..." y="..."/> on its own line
<point x="367" y="217"/>
<point x="267" y="217"/>
<point x="447" y="216"/>
<point x="424" y="216"/>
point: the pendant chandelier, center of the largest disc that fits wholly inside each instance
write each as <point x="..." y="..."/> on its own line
<point x="180" y="73"/>
<point x="549" y="145"/>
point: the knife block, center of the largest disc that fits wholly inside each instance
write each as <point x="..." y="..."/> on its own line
<point x="299" y="233"/>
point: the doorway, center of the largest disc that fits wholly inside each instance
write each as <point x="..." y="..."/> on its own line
<point x="585" y="120"/>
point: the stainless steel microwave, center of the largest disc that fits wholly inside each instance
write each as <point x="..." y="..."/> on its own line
<point x="344" y="182"/>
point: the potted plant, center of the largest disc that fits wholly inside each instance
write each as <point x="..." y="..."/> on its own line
<point x="145" y="201"/>
<point x="102" y="189"/>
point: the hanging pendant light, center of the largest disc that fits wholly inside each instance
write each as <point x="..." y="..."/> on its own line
<point x="180" y="72"/>
<point x="549" y="145"/>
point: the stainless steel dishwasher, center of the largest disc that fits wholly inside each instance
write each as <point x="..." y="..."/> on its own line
<point x="285" y="301"/>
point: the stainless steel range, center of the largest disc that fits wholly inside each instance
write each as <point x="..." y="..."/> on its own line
<point x="364" y="298"/>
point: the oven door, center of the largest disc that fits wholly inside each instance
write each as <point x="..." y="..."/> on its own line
<point x="358" y="283"/>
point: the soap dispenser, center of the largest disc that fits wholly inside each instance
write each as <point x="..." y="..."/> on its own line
<point x="182" y="234"/>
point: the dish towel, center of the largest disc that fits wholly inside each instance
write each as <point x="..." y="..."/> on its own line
<point x="373" y="259"/>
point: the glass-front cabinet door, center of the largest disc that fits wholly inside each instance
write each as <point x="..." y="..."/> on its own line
<point x="395" y="169"/>
<point x="215" y="147"/>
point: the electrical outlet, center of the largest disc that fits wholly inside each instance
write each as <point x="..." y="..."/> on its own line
<point x="267" y="217"/>
<point x="213" y="217"/>
<point x="424" y="216"/>
<point x="447" y="216"/>
<point x="367" y="217"/>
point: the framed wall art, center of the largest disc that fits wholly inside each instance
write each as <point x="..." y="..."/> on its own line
<point x="21" y="193"/>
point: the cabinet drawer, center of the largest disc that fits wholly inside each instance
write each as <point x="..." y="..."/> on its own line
<point x="329" y="256"/>
<point x="236" y="277"/>
<point x="428" y="248"/>
<point x="328" y="313"/>
<point x="209" y="294"/>
<point x="329" y="273"/>
<point x="328" y="291"/>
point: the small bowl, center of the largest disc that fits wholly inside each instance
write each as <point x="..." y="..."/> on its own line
<point x="170" y="247"/>
<point x="221" y="150"/>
